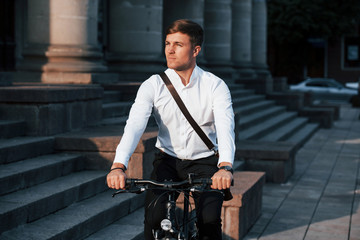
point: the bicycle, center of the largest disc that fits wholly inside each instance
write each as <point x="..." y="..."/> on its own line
<point x="170" y="229"/>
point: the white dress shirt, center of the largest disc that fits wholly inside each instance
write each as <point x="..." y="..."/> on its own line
<point x="208" y="100"/>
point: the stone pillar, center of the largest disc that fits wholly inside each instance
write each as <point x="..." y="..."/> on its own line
<point x="184" y="9"/>
<point x="241" y="39"/>
<point x="217" y="45"/>
<point x="259" y="37"/>
<point x="60" y="39"/>
<point x="135" y="38"/>
<point x="263" y="82"/>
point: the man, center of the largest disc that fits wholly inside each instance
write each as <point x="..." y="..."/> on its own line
<point x="181" y="150"/>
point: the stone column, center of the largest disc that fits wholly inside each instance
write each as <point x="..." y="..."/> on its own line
<point x="184" y="9"/>
<point x="135" y="38"/>
<point x="241" y="39"/>
<point x="259" y="37"/>
<point x="263" y="84"/>
<point x="217" y="45"/>
<point x="60" y="39"/>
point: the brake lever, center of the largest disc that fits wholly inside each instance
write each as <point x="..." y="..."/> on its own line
<point x="118" y="192"/>
<point x="132" y="190"/>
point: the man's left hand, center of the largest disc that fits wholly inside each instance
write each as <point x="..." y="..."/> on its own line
<point x="221" y="179"/>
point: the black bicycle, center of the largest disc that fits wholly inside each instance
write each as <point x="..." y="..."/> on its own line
<point x="170" y="227"/>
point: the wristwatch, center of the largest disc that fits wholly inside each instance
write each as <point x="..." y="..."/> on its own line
<point x="227" y="168"/>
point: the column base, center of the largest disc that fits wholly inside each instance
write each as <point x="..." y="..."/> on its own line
<point x="263" y="83"/>
<point x="262" y="71"/>
<point x="61" y="77"/>
<point x="58" y="58"/>
<point x="244" y="71"/>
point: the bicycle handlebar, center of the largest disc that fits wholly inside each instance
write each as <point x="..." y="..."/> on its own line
<point x="169" y="184"/>
<point x="140" y="185"/>
<point x="134" y="185"/>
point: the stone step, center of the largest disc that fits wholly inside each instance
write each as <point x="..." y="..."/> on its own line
<point x="277" y="159"/>
<point x="130" y="227"/>
<point x="80" y="219"/>
<point x="102" y="138"/>
<point x="98" y="145"/>
<point x="116" y="109"/>
<point x="285" y="131"/>
<point x="322" y="115"/>
<point x="127" y="90"/>
<point x="19" y="148"/>
<point x="52" y="109"/>
<point x="253" y="106"/>
<point x="28" y="205"/>
<point x="258" y="117"/>
<point x="300" y="137"/>
<point x="236" y="93"/>
<point x="10" y="129"/>
<point x="246" y="100"/>
<point x="111" y="96"/>
<point x="234" y="86"/>
<point x="26" y="173"/>
<point x="258" y="131"/>
<point x="115" y="120"/>
<point x="122" y="121"/>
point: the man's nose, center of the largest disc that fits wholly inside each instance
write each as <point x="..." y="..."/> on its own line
<point x="170" y="49"/>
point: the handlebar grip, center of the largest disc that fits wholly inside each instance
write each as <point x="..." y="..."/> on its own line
<point x="130" y="181"/>
<point x="206" y="181"/>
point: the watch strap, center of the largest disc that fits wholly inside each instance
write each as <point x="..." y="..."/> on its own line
<point x="227" y="168"/>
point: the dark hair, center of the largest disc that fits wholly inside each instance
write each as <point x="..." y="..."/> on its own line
<point x="190" y="28"/>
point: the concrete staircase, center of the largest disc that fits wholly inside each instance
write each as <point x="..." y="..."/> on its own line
<point x="258" y="118"/>
<point x="267" y="134"/>
<point x="54" y="187"/>
<point x="46" y="194"/>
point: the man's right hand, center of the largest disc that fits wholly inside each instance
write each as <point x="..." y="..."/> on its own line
<point x="117" y="177"/>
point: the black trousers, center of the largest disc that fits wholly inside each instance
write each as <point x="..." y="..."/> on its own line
<point x="208" y="205"/>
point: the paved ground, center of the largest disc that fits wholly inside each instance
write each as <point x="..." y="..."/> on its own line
<point x="322" y="199"/>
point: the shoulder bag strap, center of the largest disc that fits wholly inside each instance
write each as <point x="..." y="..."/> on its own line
<point x="186" y="113"/>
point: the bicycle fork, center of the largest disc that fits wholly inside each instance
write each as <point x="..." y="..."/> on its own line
<point x="169" y="226"/>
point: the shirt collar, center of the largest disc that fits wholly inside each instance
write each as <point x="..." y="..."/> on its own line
<point x="175" y="78"/>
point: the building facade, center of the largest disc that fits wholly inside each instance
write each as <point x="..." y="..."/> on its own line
<point x="101" y="41"/>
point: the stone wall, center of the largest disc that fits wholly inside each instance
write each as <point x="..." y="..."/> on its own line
<point x="49" y="110"/>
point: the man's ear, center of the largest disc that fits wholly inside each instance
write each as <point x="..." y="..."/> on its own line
<point x="197" y="50"/>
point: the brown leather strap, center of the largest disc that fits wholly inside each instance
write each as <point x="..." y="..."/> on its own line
<point x="186" y="113"/>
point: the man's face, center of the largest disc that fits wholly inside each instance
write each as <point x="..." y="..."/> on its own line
<point x="179" y="52"/>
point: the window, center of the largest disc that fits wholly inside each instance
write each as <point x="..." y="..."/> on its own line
<point x="352" y="52"/>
